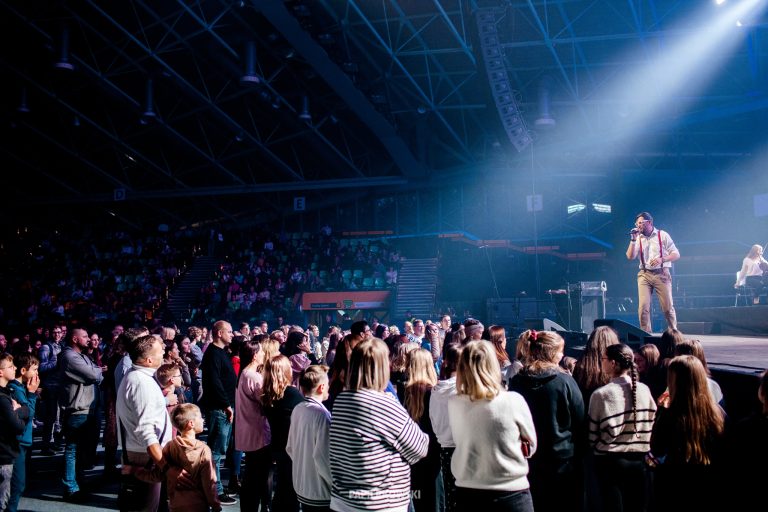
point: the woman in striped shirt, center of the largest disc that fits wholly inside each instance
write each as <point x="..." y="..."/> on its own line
<point x="621" y="415"/>
<point x="373" y="439"/>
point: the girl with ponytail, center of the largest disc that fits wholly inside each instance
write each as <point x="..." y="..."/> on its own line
<point x="621" y="415"/>
<point x="557" y="408"/>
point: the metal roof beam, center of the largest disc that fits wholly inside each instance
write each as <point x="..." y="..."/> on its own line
<point x="281" y="19"/>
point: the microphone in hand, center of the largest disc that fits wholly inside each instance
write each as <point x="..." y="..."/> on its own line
<point x="633" y="231"/>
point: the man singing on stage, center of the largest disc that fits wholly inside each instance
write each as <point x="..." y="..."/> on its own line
<point x="656" y="251"/>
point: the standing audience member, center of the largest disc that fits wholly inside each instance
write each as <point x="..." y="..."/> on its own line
<point x="142" y="423"/>
<point x="24" y="391"/>
<point x="298" y="351"/>
<point x="499" y="341"/>
<point x="687" y="442"/>
<point x="13" y="419"/>
<point x="494" y="435"/>
<point x="218" y="401"/>
<point x="433" y="343"/>
<point x="373" y="440"/>
<point x="255" y="438"/>
<point x="438" y="414"/>
<point x="588" y="372"/>
<point x="558" y="413"/>
<point x="279" y="399"/>
<point x="747" y="453"/>
<point x="694" y="348"/>
<point x="79" y="379"/>
<point x="308" y="442"/>
<point x="621" y="415"/>
<point x="49" y="380"/>
<point x="522" y="350"/>
<point x="168" y="377"/>
<point x="416" y="399"/>
<point x="648" y="362"/>
<point x="116" y="355"/>
<point x="186" y="452"/>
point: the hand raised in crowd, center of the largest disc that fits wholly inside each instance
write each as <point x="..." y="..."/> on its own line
<point x="33" y="383"/>
<point x="171" y="399"/>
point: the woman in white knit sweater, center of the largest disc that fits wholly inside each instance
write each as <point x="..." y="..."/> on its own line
<point x="621" y="415"/>
<point x="494" y="434"/>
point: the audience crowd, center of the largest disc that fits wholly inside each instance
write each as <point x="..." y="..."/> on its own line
<point x="441" y="418"/>
<point x="437" y="416"/>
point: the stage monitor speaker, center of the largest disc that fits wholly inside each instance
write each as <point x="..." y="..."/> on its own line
<point x="575" y="342"/>
<point x="543" y="324"/>
<point x="628" y="333"/>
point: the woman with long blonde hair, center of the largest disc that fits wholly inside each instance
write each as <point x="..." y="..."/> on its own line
<point x="494" y="436"/>
<point x="687" y="441"/>
<point x="271" y="348"/>
<point x="279" y="399"/>
<point x="373" y="440"/>
<point x="420" y="369"/>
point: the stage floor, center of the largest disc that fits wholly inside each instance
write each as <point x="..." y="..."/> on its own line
<point x="743" y="353"/>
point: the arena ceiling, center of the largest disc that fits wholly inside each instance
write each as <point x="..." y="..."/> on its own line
<point x="184" y="111"/>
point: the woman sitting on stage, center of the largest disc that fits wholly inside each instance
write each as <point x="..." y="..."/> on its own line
<point x="753" y="265"/>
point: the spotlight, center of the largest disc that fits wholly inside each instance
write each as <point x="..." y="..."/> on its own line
<point x="719" y="2"/>
<point x="250" y="77"/>
<point x="63" y="62"/>
<point x="149" y="115"/>
<point x="23" y="108"/>
<point x="305" y="115"/>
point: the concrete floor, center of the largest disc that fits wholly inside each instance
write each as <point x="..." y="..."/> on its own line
<point x="44" y="487"/>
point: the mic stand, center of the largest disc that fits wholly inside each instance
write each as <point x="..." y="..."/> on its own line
<point x="570" y="306"/>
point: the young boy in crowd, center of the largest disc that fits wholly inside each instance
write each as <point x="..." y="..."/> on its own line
<point x="186" y="452"/>
<point x="13" y="418"/>
<point x="169" y="378"/>
<point x="24" y="390"/>
<point x="308" y="443"/>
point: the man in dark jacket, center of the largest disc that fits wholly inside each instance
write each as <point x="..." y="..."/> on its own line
<point x="218" y="401"/>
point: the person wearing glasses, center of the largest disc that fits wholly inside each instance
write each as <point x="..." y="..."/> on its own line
<point x="656" y="252"/>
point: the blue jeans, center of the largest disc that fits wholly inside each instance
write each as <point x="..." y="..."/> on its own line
<point x="75" y="432"/>
<point x="19" y="479"/>
<point x="218" y="439"/>
<point x="494" y="501"/>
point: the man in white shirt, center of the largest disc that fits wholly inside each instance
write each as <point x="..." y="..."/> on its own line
<point x="656" y="252"/>
<point x="144" y="426"/>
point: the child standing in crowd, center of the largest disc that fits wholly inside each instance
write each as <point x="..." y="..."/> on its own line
<point x="13" y="417"/>
<point x="24" y="391"/>
<point x="308" y="442"/>
<point x="194" y="457"/>
<point x="169" y="378"/>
